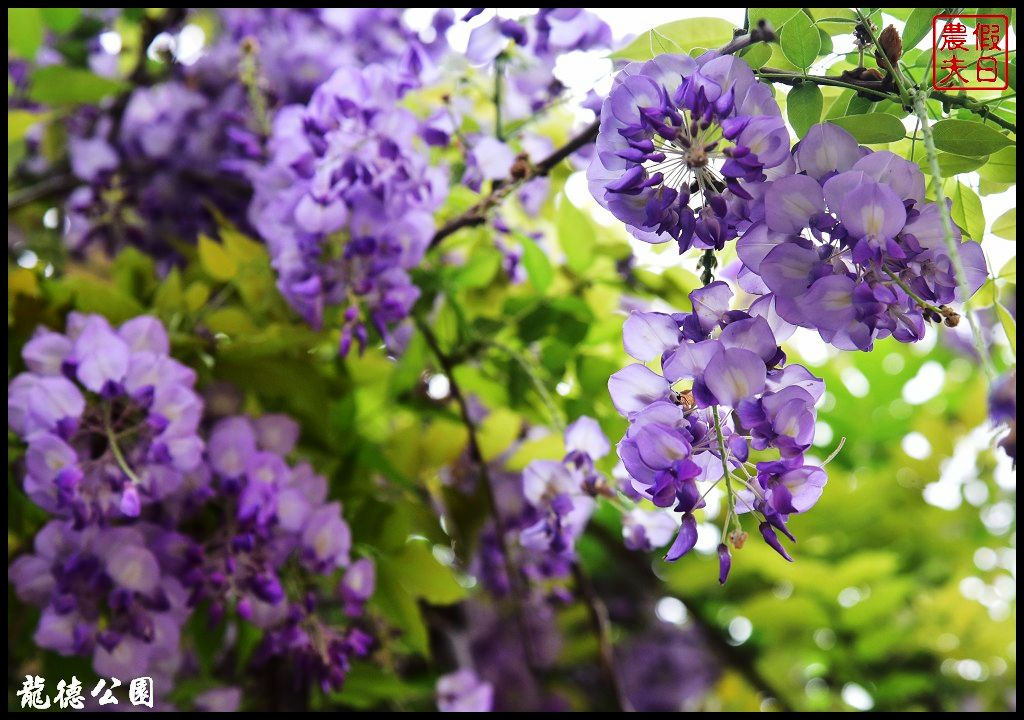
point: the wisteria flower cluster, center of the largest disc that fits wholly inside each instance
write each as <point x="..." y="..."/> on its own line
<point x="528" y="49"/>
<point x="521" y="54"/>
<point x="148" y="168"/>
<point x="724" y="390"/>
<point x="345" y="203"/>
<point x="684" y="145"/>
<point x="115" y="452"/>
<point x="849" y="247"/>
<point x="563" y="493"/>
<point x="110" y="419"/>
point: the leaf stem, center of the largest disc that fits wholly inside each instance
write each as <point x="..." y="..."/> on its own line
<point x="953" y="250"/>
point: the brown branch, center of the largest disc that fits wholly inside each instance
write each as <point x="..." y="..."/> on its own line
<point x="477" y="215"/>
<point x="602" y="630"/>
<point x="45" y="188"/>
<point x="735" y="656"/>
<point x="878" y="89"/>
<point x="447" y="366"/>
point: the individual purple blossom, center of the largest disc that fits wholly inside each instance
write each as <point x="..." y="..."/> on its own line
<point x="464" y="691"/>
<point x="644" y="529"/>
<point x="849" y="247"/>
<point x="357" y="585"/>
<point x="683" y="144"/>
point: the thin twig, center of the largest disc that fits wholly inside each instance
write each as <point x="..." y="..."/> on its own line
<point x="602" y="630"/>
<point x="447" y="365"/>
<point x="876" y="89"/>
<point x="477" y="215"/>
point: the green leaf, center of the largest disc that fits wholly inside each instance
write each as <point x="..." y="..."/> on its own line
<point x="169" y="297"/>
<point x="61" y="20"/>
<point x="950" y="164"/>
<point x="24" y="31"/>
<point x="400" y="607"/>
<point x="480" y="269"/>
<point x="1005" y="226"/>
<point x="680" y="36"/>
<point x="967" y="211"/>
<point x="872" y="128"/>
<point x="497" y="432"/>
<point x="215" y="260"/>
<point x="537" y="265"/>
<point x="1009" y="325"/>
<point x="918" y="26"/>
<point x="800" y="41"/>
<point x="575" y="235"/>
<point x="966" y="137"/>
<point x="93" y="295"/>
<point x="776" y="17"/>
<point x="19" y="122"/>
<point x="423" y="576"/>
<point x="803" y="107"/>
<point x="1001" y="166"/>
<point x="61" y="85"/>
<point x="757" y="55"/>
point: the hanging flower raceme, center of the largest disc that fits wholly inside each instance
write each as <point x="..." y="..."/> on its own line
<point x="684" y="145"/>
<point x="149" y="176"/>
<point x="110" y="419"/>
<point x="114" y="452"/>
<point x="346" y="203"/>
<point x="562" y="493"/>
<point x="849" y="246"/>
<point x="724" y="389"/>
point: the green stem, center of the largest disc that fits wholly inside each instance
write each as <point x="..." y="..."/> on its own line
<point x="498" y="82"/>
<point x="920" y="108"/>
<point x="897" y="76"/>
<point x="730" y="515"/>
<point x="122" y="462"/>
<point x="924" y="304"/>
<point x="554" y="413"/>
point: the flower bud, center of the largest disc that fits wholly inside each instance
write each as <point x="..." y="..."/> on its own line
<point x="889" y="43"/>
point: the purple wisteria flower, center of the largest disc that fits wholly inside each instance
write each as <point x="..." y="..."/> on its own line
<point x="528" y="49"/>
<point x="105" y="593"/>
<point x="521" y="56"/>
<point x="562" y="493"/>
<point x="464" y="691"/>
<point x="1002" y="408"/>
<point x="684" y="145"/>
<point x="149" y="175"/>
<point x="849" y="247"/>
<point x="110" y="419"/>
<point x="724" y="368"/>
<point x="115" y="452"/>
<point x="346" y="203"/>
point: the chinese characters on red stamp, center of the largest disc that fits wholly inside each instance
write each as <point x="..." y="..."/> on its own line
<point x="970" y="52"/>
